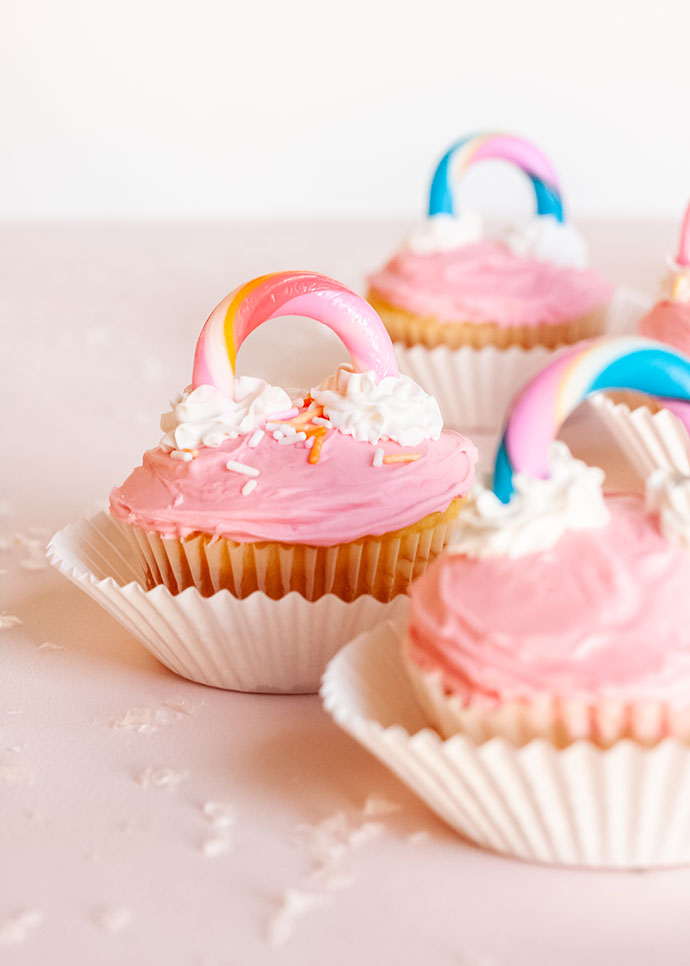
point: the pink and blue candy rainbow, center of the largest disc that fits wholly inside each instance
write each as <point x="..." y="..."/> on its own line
<point x="543" y="405"/>
<point x="504" y="147"/>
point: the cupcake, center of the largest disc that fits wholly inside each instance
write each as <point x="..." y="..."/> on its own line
<point x="560" y="612"/>
<point x="669" y="320"/>
<point x="474" y="312"/>
<point x="653" y="432"/>
<point x="349" y="489"/>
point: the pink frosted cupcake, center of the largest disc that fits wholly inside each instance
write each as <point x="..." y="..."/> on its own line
<point x="348" y="489"/>
<point x="561" y="613"/>
<point x="669" y="320"/>
<point x="474" y="313"/>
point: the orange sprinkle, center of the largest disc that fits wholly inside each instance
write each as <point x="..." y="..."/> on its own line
<point x="315" y="451"/>
<point x="402" y="458"/>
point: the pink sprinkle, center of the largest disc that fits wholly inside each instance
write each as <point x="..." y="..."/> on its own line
<point x="288" y="415"/>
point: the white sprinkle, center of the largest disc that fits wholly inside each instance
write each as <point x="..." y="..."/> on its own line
<point x="248" y="487"/>
<point x="18" y="927"/>
<point x="255" y="438"/>
<point x="278" y="435"/>
<point x="293" y="438"/>
<point x="321" y="421"/>
<point x="112" y="918"/>
<point x="8" y="620"/>
<point x="179" y="454"/>
<point x="310" y="442"/>
<point x="270" y="425"/>
<point x="50" y="646"/>
<point x="242" y="468"/>
<point x="378" y="457"/>
<point x="160" y="777"/>
<point x="178" y="500"/>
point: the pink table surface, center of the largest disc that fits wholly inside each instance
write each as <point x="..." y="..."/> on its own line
<point x="101" y="862"/>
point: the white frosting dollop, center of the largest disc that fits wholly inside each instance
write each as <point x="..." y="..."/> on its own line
<point x="205" y="416"/>
<point x="667" y="495"/>
<point x="393" y="408"/>
<point x="442" y="233"/>
<point x="542" y="237"/>
<point x="538" y="513"/>
<point x="548" y="240"/>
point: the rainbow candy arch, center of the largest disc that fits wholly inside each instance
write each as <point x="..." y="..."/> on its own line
<point x="504" y="147"/>
<point x="307" y="294"/>
<point x="543" y="405"/>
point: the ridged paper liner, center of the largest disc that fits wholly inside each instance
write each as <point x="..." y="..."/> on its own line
<point x="560" y="721"/>
<point x="255" y="644"/>
<point x="382" y="567"/>
<point x="624" y="807"/>
<point x="474" y="386"/>
<point x="649" y="440"/>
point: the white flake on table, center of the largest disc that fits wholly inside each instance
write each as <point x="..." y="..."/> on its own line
<point x="148" y="720"/>
<point x="50" y="646"/>
<point x="418" y="838"/>
<point x="295" y="903"/>
<point x="8" y="620"/>
<point x="221" y="816"/>
<point x="160" y="777"/>
<point x="33" y="563"/>
<point x="18" y="927"/>
<point x="377" y="806"/>
<point x="216" y="845"/>
<point x="112" y="918"/>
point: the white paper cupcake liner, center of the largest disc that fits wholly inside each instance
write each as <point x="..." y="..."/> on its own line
<point x="255" y="644"/>
<point x="626" y="807"/>
<point x="648" y="440"/>
<point x="475" y="386"/>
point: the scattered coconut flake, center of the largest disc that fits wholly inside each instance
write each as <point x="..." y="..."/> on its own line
<point x="32" y="563"/>
<point x="219" y="814"/>
<point x="17" y="928"/>
<point x="112" y="918"/>
<point x="295" y="902"/>
<point x="145" y="720"/>
<point x="8" y="620"/>
<point x="160" y="777"/>
<point x="364" y="834"/>
<point x="218" y="845"/>
<point x="418" y="838"/>
<point x="376" y="805"/>
<point x="50" y="646"/>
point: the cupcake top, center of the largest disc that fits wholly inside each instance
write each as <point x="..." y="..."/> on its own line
<point x="454" y="269"/>
<point x="552" y="587"/>
<point x="362" y="454"/>
<point x="669" y="320"/>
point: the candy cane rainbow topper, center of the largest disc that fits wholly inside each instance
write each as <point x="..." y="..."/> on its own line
<point x="542" y="406"/>
<point x="279" y="294"/>
<point x="503" y="147"/>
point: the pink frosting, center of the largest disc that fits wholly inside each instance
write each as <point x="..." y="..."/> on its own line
<point x="605" y="613"/>
<point x="669" y="322"/>
<point x="487" y="282"/>
<point x="340" y="498"/>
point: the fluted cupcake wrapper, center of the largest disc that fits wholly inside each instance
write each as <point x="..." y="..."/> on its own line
<point x="475" y="386"/>
<point x="624" y="807"/>
<point x="255" y="644"/>
<point x="649" y="440"/>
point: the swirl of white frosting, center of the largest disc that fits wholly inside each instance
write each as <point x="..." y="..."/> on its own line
<point x="548" y="240"/>
<point x="667" y="494"/>
<point x="393" y="408"/>
<point x="542" y="237"/>
<point x="205" y="416"/>
<point x="538" y="513"/>
<point x="441" y="233"/>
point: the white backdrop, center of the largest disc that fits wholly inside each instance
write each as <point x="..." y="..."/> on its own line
<point x="135" y="109"/>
